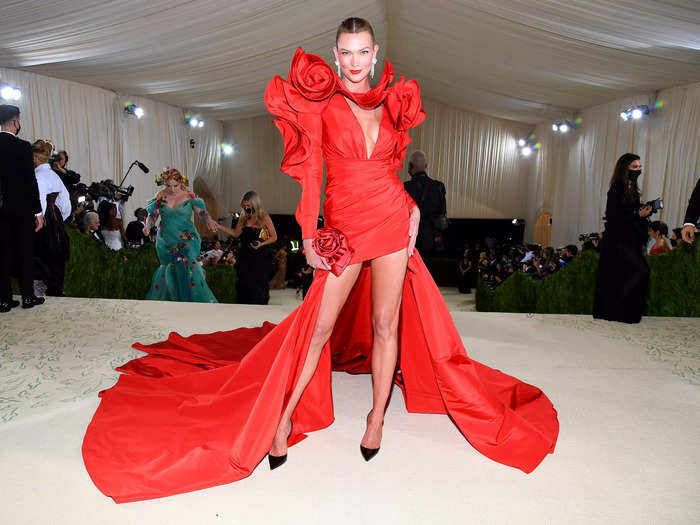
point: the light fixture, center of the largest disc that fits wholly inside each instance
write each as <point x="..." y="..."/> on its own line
<point x="635" y="113"/>
<point x="133" y="109"/>
<point x="194" y="121"/>
<point x="528" y="145"/>
<point x="226" y="149"/>
<point x="10" y="93"/>
<point x="564" y="126"/>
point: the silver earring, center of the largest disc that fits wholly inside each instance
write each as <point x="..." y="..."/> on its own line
<point x="371" y="71"/>
<point x="340" y="73"/>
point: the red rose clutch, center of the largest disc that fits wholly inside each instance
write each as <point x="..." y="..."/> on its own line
<point x="333" y="246"/>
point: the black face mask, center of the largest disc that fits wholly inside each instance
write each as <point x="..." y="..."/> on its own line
<point x="249" y="211"/>
<point x="634" y="174"/>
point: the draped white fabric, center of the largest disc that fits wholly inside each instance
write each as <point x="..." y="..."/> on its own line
<point x="525" y="60"/>
<point x="476" y="157"/>
<point x="102" y="141"/>
<point x="570" y="176"/>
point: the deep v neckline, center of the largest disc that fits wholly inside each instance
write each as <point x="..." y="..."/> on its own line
<point x="362" y="132"/>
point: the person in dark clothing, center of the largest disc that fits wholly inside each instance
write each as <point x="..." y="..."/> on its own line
<point x="51" y="244"/>
<point x="623" y="273"/>
<point x="465" y="267"/>
<point x="692" y="215"/>
<point x="429" y="195"/>
<point x="255" y="230"/>
<point x="69" y="177"/>
<point x="134" y="230"/>
<point x="20" y="211"/>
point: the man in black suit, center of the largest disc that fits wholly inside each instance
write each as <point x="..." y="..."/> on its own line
<point x="692" y="215"/>
<point x="429" y="196"/>
<point x="134" y="230"/>
<point x="20" y="211"/>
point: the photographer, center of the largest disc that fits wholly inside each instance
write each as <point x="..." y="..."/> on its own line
<point x="69" y="178"/>
<point x="623" y="273"/>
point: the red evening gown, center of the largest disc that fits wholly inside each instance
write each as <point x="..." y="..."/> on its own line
<point x="201" y="411"/>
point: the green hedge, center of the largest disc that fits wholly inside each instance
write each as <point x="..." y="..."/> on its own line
<point x="674" y="288"/>
<point x="94" y="270"/>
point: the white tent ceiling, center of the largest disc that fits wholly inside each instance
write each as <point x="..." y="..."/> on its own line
<point x="523" y="60"/>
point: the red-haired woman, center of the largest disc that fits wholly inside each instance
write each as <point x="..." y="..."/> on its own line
<point x="179" y="277"/>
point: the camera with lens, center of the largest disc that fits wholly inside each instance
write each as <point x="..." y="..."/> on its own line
<point x="585" y="236"/>
<point x="108" y="190"/>
<point x="656" y="205"/>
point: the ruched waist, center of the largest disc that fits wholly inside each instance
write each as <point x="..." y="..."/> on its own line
<point x="344" y="172"/>
<point x="351" y="182"/>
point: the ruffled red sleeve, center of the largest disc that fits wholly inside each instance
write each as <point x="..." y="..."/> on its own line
<point x="404" y="105"/>
<point x="297" y="103"/>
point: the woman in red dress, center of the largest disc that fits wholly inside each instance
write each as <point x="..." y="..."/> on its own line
<point x="205" y="410"/>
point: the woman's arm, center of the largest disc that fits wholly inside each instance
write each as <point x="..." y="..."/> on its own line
<point x="267" y="223"/>
<point x="235" y="232"/>
<point x="121" y="230"/>
<point x="152" y="209"/>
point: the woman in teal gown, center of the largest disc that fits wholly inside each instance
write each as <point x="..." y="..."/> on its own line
<point x="179" y="277"/>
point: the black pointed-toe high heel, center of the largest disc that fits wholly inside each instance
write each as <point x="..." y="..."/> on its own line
<point x="368" y="453"/>
<point x="278" y="461"/>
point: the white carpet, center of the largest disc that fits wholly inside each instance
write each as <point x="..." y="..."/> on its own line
<point x="627" y="398"/>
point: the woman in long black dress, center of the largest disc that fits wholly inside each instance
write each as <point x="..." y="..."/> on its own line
<point x="623" y="273"/>
<point x="256" y="230"/>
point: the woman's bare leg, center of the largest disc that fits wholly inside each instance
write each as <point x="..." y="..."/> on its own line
<point x="388" y="273"/>
<point x="335" y="293"/>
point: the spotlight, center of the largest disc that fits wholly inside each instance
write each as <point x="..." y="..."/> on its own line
<point x="635" y="113"/>
<point x="10" y="93"/>
<point x="227" y="149"/>
<point x="194" y="122"/>
<point x="562" y="127"/>
<point x="526" y="151"/>
<point x="133" y="109"/>
<point x="521" y="143"/>
<point x="514" y="221"/>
